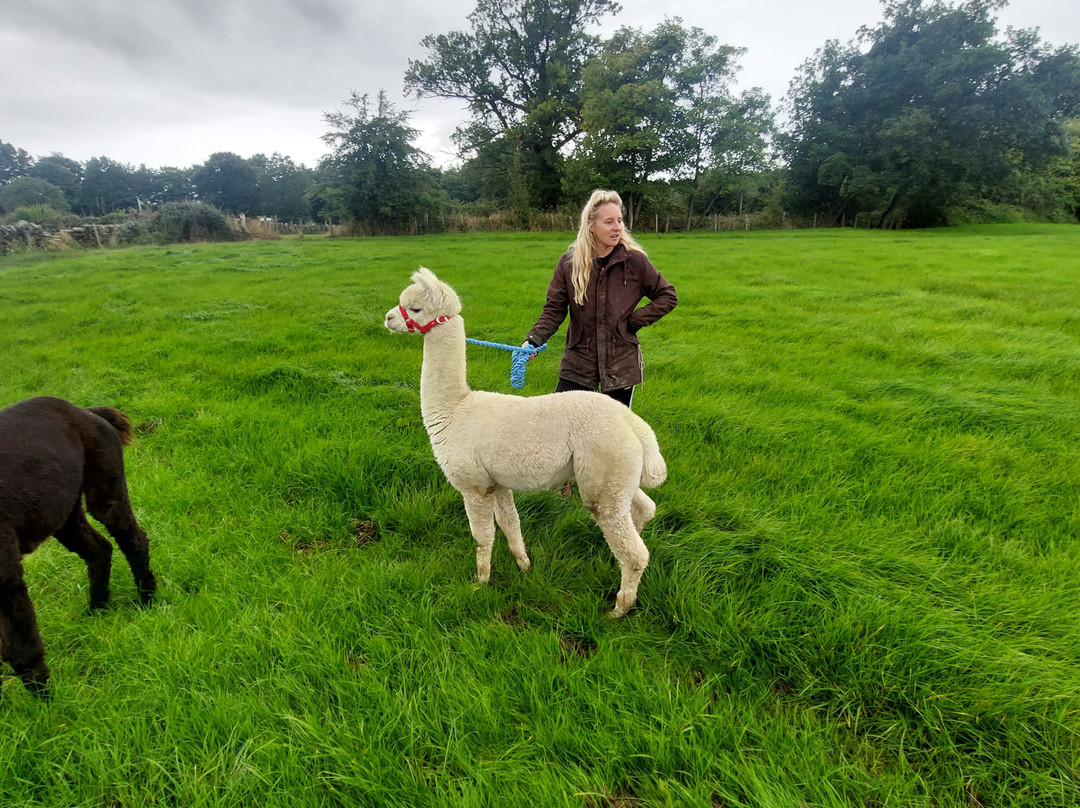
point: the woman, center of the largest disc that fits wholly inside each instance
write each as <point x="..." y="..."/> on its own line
<point x="599" y="282"/>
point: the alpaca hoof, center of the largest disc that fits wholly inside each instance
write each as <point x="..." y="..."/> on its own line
<point x="525" y="566"/>
<point x="99" y="602"/>
<point x="616" y="613"/>
<point x="39" y="690"/>
<point x="36" y="680"/>
<point x="147" y="592"/>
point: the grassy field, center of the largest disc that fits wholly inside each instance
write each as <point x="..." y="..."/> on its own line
<point x="865" y="569"/>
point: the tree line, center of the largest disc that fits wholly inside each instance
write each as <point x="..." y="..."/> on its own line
<point x="931" y="117"/>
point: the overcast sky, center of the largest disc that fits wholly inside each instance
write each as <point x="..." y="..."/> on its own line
<point x="170" y="82"/>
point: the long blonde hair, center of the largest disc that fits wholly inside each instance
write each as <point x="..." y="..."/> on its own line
<point x="583" y="250"/>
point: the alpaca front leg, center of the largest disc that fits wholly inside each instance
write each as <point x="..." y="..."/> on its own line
<point x="20" y="641"/>
<point x="507" y="516"/>
<point x="79" y="537"/>
<point x="481" y="512"/>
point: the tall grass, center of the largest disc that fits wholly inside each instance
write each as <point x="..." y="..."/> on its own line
<point x="864" y="577"/>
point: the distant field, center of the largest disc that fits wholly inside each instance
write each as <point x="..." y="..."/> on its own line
<point x="865" y="569"/>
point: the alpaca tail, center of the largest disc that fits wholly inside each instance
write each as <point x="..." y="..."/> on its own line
<point x="117" y="420"/>
<point x="653" y="469"/>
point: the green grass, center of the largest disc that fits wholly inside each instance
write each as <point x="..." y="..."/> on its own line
<point x="865" y="567"/>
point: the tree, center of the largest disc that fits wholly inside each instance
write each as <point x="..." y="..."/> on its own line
<point x="106" y="186"/>
<point x="282" y="185"/>
<point x="29" y="191"/>
<point x="519" y="70"/>
<point x="63" y="172"/>
<point x="490" y="171"/>
<point x="660" y="105"/>
<point x="727" y="134"/>
<point x="738" y="171"/>
<point x="634" y="129"/>
<point x="374" y="174"/>
<point x="1071" y="169"/>
<point x="460" y="184"/>
<point x="13" y="162"/>
<point x="934" y="112"/>
<point x="229" y="182"/>
<point x="1052" y="192"/>
<point x="163" y="185"/>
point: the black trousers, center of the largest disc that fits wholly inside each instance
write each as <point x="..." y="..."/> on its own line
<point x="624" y="395"/>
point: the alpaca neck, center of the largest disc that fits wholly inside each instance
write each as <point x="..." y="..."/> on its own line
<point x="442" y="378"/>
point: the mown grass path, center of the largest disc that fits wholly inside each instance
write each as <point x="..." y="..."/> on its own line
<point x="865" y="564"/>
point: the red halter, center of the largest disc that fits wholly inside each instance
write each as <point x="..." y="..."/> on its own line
<point x="412" y="325"/>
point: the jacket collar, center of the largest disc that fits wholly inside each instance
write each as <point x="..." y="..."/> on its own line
<point x="617" y="255"/>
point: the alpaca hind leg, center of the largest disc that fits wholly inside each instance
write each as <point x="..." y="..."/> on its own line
<point x="20" y="641"/>
<point x="79" y="537"/>
<point x="642" y="510"/>
<point x="507" y="516"/>
<point x="107" y="501"/>
<point x="631" y="553"/>
<point x="119" y="519"/>
<point x="480" y="508"/>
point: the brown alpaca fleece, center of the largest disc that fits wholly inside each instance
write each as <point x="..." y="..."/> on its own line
<point x="53" y="456"/>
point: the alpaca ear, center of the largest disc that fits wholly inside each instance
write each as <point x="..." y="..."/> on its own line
<point x="431" y="285"/>
<point x="440" y="294"/>
<point x="425" y="277"/>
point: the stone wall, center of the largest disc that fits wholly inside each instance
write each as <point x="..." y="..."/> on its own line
<point x="25" y="235"/>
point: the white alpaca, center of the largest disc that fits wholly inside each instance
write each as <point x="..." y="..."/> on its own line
<point x="490" y="445"/>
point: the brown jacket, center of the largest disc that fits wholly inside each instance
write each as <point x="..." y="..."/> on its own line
<point x="602" y="348"/>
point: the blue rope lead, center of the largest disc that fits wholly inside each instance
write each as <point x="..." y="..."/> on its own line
<point x="517" y="361"/>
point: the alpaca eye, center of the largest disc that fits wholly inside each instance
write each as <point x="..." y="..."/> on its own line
<point x="415" y="311"/>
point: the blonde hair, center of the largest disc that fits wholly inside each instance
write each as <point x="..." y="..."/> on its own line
<point x="583" y="250"/>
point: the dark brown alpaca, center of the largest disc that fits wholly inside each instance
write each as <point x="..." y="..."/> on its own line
<point x="52" y="455"/>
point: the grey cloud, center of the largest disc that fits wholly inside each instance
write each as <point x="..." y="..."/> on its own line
<point x="172" y="80"/>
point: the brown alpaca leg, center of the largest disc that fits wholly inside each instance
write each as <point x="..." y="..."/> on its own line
<point x="479" y="506"/>
<point x="80" y="538"/>
<point x="107" y="501"/>
<point x="20" y="641"/>
<point x="119" y="519"/>
<point x="507" y="516"/>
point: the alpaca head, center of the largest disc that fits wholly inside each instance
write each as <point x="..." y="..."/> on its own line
<point x="423" y="304"/>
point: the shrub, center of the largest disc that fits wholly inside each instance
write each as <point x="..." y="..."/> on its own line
<point x="44" y="215"/>
<point x="979" y="211"/>
<point x="190" y="221"/>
